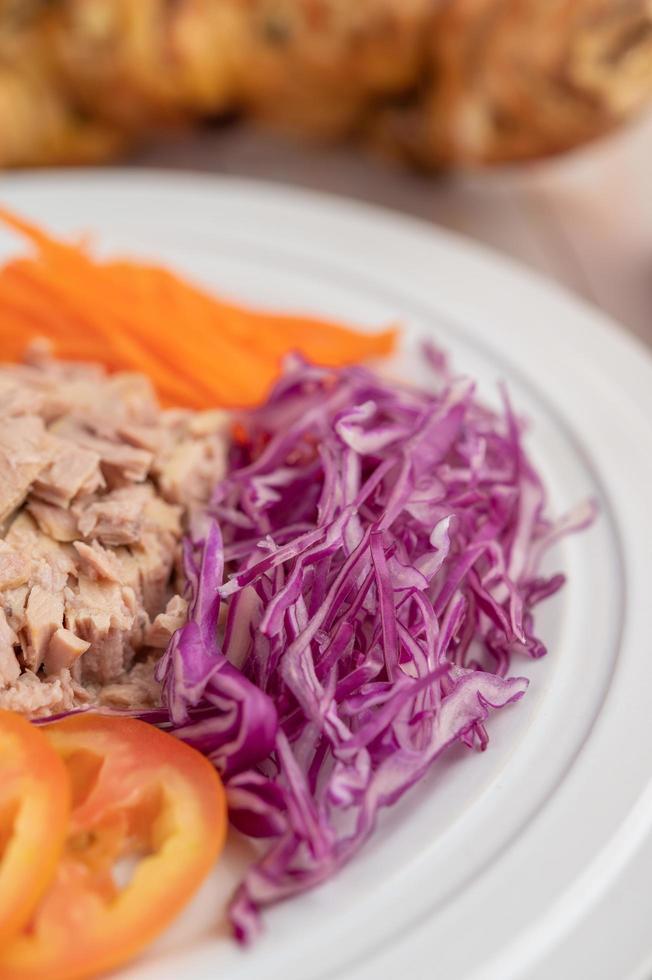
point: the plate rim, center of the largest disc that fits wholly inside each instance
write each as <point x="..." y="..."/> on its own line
<point x="190" y="180"/>
<point x="611" y="334"/>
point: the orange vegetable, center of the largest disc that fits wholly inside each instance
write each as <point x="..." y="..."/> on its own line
<point x="137" y="793"/>
<point x="198" y="350"/>
<point x="34" y="806"/>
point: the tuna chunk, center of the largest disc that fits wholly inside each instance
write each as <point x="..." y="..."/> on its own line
<point x="51" y="573"/>
<point x="134" y="395"/>
<point x="10" y="669"/>
<point x="129" y="568"/>
<point x="13" y="606"/>
<point x="167" y="623"/>
<point x="15" y="567"/>
<point x="117" y="518"/>
<point x="162" y="517"/>
<point x="9" y="666"/>
<point x="214" y="422"/>
<point x="72" y="468"/>
<point x="130" y="463"/>
<point x="183" y="472"/>
<point x="22" y="533"/>
<point x="24" y="453"/>
<point x="16" y="399"/>
<point x="63" y="650"/>
<point x="155" y="557"/>
<point x="136" y="689"/>
<point x="52" y="562"/>
<point x="56" y="522"/>
<point x="96" y="487"/>
<point x="149" y="437"/>
<point x="31" y="696"/>
<point x="43" y="616"/>
<point x="102" y="614"/>
<point x="96" y="562"/>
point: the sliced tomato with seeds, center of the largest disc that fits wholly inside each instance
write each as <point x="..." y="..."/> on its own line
<point x="34" y="806"/>
<point x="138" y="795"/>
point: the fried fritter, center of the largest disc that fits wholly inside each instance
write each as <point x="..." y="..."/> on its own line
<point x="517" y="79"/>
<point x="438" y="82"/>
<point x="308" y="65"/>
<point x="316" y="66"/>
<point x="148" y="62"/>
<point x="39" y="127"/>
<point x="40" y="122"/>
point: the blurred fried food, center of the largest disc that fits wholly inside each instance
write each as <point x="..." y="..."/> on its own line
<point x="38" y="122"/>
<point x="307" y="65"/>
<point x="438" y="82"/>
<point x="140" y="63"/>
<point x="318" y="66"/>
<point x="518" y="79"/>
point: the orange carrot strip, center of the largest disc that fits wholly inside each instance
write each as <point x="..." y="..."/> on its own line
<point x="197" y="349"/>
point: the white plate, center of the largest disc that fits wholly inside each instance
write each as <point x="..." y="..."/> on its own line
<point x="533" y="860"/>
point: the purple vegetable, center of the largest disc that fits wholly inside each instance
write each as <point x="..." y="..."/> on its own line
<point x="383" y="546"/>
<point x="211" y="704"/>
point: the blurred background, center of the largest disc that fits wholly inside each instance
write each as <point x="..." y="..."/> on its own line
<point x="524" y="124"/>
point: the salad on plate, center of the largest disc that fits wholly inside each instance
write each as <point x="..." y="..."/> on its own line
<point x="248" y="578"/>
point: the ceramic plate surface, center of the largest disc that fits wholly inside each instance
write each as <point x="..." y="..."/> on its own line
<point x="534" y="859"/>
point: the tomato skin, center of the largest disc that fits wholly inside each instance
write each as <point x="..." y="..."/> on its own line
<point x="134" y="789"/>
<point x="34" y="809"/>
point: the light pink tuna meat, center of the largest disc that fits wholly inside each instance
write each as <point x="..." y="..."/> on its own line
<point x="15" y="567"/>
<point x="155" y="555"/>
<point x="24" y="453"/>
<point x="37" y="698"/>
<point x="13" y="606"/>
<point x="72" y="468"/>
<point x="43" y="616"/>
<point x="64" y="648"/>
<point x="130" y="463"/>
<point x="136" y="689"/>
<point x="96" y="487"/>
<point x="56" y="522"/>
<point x="9" y="666"/>
<point x="102" y="614"/>
<point x="96" y="562"/>
<point x="167" y="623"/>
<point x="117" y="518"/>
<point x="51" y="561"/>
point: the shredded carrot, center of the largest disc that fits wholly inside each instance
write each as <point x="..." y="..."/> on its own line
<point x="198" y="350"/>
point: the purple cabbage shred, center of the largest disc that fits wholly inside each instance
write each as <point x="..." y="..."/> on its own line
<point x="366" y="575"/>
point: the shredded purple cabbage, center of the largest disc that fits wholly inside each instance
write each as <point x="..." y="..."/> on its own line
<point x="382" y="546"/>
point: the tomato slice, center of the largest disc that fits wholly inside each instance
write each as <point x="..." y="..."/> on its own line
<point x="34" y="806"/>
<point x="137" y="794"/>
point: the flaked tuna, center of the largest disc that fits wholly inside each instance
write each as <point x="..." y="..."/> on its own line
<point x="96" y="487"/>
